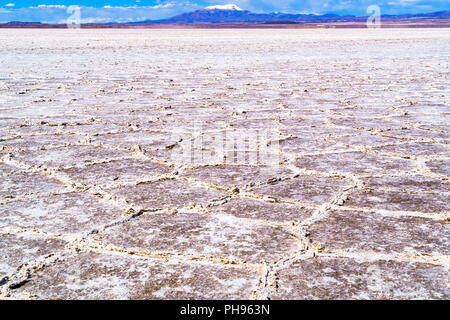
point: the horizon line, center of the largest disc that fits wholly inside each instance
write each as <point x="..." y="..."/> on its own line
<point x="158" y="21"/>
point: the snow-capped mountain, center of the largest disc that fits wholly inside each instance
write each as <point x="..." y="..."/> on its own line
<point x="232" y="14"/>
<point x="229" y="13"/>
<point x="224" y="7"/>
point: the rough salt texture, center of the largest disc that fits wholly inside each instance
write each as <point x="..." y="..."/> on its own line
<point x="338" y="278"/>
<point x="366" y="231"/>
<point x="109" y="276"/>
<point x="262" y="210"/>
<point x="116" y="171"/>
<point x="17" y="249"/>
<point x="68" y="212"/>
<point x="345" y="195"/>
<point x="236" y="175"/>
<point x="199" y="234"/>
<point x="166" y="194"/>
<point x="16" y="183"/>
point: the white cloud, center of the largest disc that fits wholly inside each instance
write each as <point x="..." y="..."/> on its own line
<point x="403" y="3"/>
<point x="10" y="5"/>
<point x="158" y="6"/>
<point x="58" y="13"/>
<point x="50" y="6"/>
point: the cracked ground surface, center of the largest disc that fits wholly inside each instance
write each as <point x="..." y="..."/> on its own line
<point x="98" y="201"/>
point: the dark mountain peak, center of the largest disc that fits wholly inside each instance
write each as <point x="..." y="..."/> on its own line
<point x="232" y="14"/>
<point x="22" y="23"/>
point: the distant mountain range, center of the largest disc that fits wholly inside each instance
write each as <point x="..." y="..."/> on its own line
<point x="23" y="23"/>
<point x="232" y="14"/>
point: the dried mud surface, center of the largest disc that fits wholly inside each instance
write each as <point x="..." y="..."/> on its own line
<point x="98" y="201"/>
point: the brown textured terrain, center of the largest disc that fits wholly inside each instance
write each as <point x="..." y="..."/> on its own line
<point x="98" y="200"/>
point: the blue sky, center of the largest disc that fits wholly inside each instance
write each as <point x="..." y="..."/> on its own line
<point x="55" y="11"/>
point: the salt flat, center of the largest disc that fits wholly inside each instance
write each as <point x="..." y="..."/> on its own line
<point x="241" y="164"/>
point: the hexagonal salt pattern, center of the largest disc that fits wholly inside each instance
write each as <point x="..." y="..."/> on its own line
<point x="224" y="164"/>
